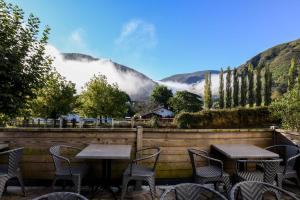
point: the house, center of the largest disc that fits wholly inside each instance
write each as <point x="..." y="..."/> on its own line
<point x="160" y="112"/>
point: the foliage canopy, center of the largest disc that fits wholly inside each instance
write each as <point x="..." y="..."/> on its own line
<point x="23" y="61"/>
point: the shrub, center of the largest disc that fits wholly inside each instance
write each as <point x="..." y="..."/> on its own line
<point x="224" y="118"/>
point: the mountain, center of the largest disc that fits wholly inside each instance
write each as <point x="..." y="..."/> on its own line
<point x="134" y="83"/>
<point x="189" y="78"/>
<point x="278" y="58"/>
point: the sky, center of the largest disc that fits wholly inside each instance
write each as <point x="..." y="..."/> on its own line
<point x="163" y="38"/>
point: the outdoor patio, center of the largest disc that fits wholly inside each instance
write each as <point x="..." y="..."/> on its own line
<point x="174" y="164"/>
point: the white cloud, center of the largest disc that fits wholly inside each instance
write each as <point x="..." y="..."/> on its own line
<point x="81" y="72"/>
<point x="137" y="35"/>
<point x="75" y="39"/>
<point x="197" y="88"/>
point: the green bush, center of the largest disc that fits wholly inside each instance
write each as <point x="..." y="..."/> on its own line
<point x="225" y="118"/>
<point x="287" y="109"/>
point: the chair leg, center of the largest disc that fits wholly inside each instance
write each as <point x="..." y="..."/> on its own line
<point x="279" y="180"/>
<point x="53" y="183"/>
<point x="3" y="181"/>
<point x="77" y="183"/>
<point x="20" y="179"/>
<point x="227" y="182"/>
<point x="298" y="181"/>
<point x="124" y="187"/>
<point x="151" y="183"/>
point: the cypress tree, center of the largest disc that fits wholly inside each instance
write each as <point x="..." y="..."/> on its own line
<point x="268" y="86"/>
<point x="250" y="86"/>
<point x="292" y="75"/>
<point x="207" y="92"/>
<point x="299" y="78"/>
<point x="258" y="87"/>
<point x="221" y="90"/>
<point x="235" y="88"/>
<point x="228" y="99"/>
<point x="243" y="101"/>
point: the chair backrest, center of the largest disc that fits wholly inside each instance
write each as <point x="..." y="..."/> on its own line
<point x="193" y="153"/>
<point x="56" y="156"/>
<point x="191" y="191"/>
<point x="250" y="190"/>
<point x="14" y="158"/>
<point x="270" y="167"/>
<point x="61" y="196"/>
<point x="154" y="155"/>
<point x="285" y="152"/>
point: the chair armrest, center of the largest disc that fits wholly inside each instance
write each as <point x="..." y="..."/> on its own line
<point x="70" y="147"/>
<point x="198" y="150"/>
<point x="289" y="160"/>
<point x="166" y="193"/>
<point x="66" y="160"/>
<point x="209" y="158"/>
<point x="9" y="151"/>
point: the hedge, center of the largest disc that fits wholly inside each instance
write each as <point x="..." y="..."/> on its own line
<point x="226" y="118"/>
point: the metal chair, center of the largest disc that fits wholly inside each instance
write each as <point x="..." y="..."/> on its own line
<point x="63" y="168"/>
<point x="12" y="169"/>
<point x="191" y="191"/>
<point x="61" y="196"/>
<point x="289" y="154"/>
<point x="252" y="190"/>
<point x="212" y="172"/>
<point x="267" y="175"/>
<point x="136" y="171"/>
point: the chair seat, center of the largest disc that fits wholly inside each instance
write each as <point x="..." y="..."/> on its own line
<point x="76" y="170"/>
<point x="209" y="171"/>
<point x="139" y="170"/>
<point x="251" y="176"/>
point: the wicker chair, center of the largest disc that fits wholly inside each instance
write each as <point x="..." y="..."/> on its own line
<point x="135" y="171"/>
<point x="61" y="196"/>
<point x="252" y="190"/>
<point x="12" y="169"/>
<point x="289" y="154"/>
<point x="211" y="173"/>
<point x="66" y="172"/>
<point x="191" y="191"/>
<point x="267" y="175"/>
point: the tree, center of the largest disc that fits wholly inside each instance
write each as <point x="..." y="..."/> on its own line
<point x="243" y="101"/>
<point x="99" y="98"/>
<point x="221" y="90"/>
<point x="23" y="61"/>
<point x="186" y="101"/>
<point x="258" y="87"/>
<point x="228" y="100"/>
<point x="268" y="86"/>
<point x="207" y="92"/>
<point x="161" y="95"/>
<point x="235" y="88"/>
<point x="250" y="85"/>
<point x="287" y="108"/>
<point x="56" y="98"/>
<point x="292" y="75"/>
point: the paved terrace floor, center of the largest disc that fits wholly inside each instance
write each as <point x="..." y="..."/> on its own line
<point x="14" y="193"/>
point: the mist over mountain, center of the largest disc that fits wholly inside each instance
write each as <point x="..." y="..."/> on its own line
<point x="80" y="68"/>
<point x="189" y="78"/>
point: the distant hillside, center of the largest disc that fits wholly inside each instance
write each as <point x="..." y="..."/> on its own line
<point x="136" y="84"/>
<point x="189" y="78"/>
<point x="278" y="58"/>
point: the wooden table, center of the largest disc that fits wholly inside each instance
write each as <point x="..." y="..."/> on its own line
<point x="243" y="151"/>
<point x="106" y="153"/>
